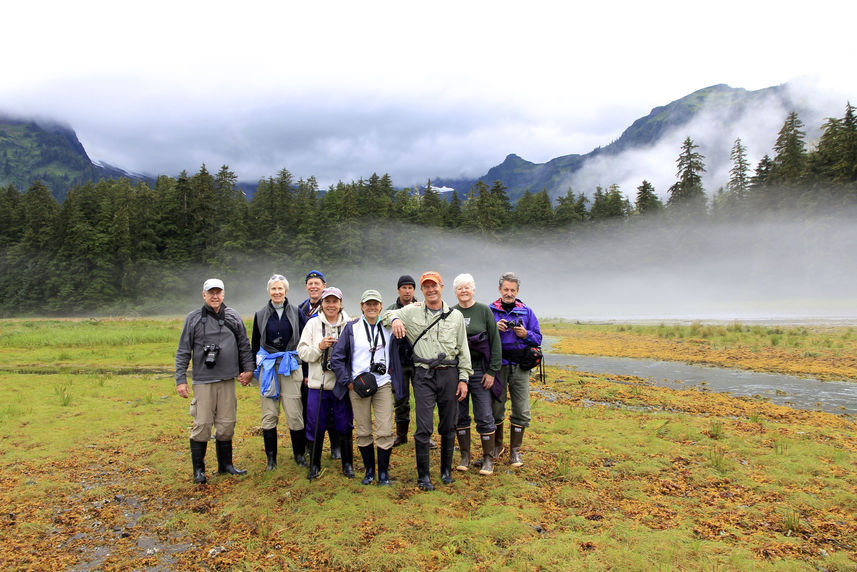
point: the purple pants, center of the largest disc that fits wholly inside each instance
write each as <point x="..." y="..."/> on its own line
<point x="322" y="404"/>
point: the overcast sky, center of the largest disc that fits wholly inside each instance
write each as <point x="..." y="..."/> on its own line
<point x="340" y="90"/>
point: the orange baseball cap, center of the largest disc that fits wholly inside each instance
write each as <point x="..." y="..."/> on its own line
<point x="431" y="275"/>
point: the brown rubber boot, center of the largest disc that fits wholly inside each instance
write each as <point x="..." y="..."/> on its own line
<point x="401" y="433"/>
<point x="498" y="441"/>
<point x="487" y="454"/>
<point x="515" y="439"/>
<point x="464" y="447"/>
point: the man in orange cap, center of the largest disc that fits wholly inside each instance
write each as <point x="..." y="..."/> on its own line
<point x="442" y="368"/>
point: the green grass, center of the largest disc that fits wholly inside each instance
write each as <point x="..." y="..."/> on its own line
<point x="602" y="488"/>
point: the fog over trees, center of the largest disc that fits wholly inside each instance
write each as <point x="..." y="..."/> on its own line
<point x="118" y="247"/>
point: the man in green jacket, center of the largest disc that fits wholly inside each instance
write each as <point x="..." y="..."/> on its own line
<point x="442" y="369"/>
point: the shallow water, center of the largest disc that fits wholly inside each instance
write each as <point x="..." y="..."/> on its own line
<point x="797" y="392"/>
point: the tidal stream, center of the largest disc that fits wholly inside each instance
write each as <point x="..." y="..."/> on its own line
<point x="798" y="392"/>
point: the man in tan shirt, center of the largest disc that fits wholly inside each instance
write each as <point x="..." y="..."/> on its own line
<point x="442" y="368"/>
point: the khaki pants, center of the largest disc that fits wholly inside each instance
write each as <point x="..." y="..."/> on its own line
<point x="213" y="404"/>
<point x="382" y="404"/>
<point x="289" y="400"/>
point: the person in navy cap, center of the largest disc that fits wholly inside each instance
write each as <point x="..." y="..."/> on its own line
<point x="315" y="283"/>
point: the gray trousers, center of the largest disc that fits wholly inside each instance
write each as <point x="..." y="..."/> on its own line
<point x="435" y="387"/>
<point x="482" y="410"/>
<point x="516" y="388"/>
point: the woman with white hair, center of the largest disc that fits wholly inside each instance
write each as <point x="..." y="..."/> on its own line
<point x="486" y="354"/>
<point x="276" y="332"/>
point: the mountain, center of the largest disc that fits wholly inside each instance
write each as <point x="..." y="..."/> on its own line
<point x="729" y="105"/>
<point x="713" y="117"/>
<point x="49" y="151"/>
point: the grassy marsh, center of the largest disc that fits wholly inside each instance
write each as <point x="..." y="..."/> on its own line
<point x="616" y="476"/>
<point x="824" y="352"/>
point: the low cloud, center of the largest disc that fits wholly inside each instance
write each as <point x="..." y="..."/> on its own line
<point x="715" y="132"/>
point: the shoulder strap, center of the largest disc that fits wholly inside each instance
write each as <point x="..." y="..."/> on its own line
<point x="226" y="323"/>
<point x="443" y="316"/>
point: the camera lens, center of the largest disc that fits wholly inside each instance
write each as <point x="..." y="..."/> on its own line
<point x="379" y="368"/>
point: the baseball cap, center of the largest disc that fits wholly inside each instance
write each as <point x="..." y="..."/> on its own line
<point x="431" y="275"/>
<point x="371" y="295"/>
<point x="212" y="283"/>
<point x="331" y="291"/>
<point x="314" y="274"/>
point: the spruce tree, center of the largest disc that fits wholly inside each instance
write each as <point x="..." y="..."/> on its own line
<point x="687" y="194"/>
<point x="571" y="208"/>
<point x="739" y="181"/>
<point x="647" y="201"/>
<point x="790" y="156"/>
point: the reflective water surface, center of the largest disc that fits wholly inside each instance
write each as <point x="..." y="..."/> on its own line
<point x="797" y="392"/>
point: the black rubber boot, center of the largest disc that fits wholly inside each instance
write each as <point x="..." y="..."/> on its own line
<point x="315" y="459"/>
<point x="346" y="447"/>
<point x="269" y="436"/>
<point x="224" y="459"/>
<point x="384" y="466"/>
<point x="447" y="450"/>
<point x="463" y="446"/>
<point x="197" y="459"/>
<point x="487" y="454"/>
<point x="368" y="455"/>
<point x="423" y="479"/>
<point x="299" y="447"/>
<point x="516" y="437"/>
<point x="335" y="451"/>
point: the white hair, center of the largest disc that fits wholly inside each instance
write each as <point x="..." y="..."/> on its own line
<point x="278" y="278"/>
<point x="462" y="280"/>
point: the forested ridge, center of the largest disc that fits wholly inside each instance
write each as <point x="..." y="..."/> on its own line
<point x="117" y="246"/>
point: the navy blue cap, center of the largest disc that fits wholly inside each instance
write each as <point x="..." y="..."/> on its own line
<point x="314" y="274"/>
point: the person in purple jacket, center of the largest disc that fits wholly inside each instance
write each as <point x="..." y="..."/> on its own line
<point x="519" y="330"/>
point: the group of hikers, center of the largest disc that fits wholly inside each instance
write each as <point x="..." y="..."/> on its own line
<point x="330" y="373"/>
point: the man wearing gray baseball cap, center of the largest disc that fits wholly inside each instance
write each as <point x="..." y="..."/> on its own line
<point x="215" y="339"/>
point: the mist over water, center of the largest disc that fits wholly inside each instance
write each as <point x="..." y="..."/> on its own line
<point x="781" y="269"/>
